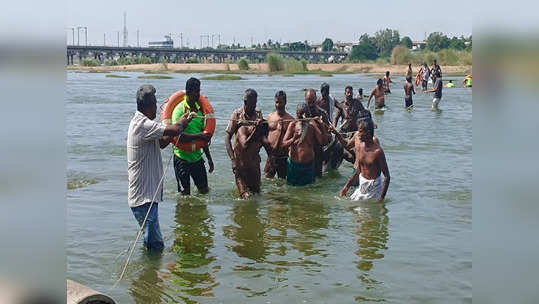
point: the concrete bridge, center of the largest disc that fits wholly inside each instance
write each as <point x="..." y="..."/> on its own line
<point x="76" y="53"/>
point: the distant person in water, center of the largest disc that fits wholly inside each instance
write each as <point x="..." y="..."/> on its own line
<point x="425" y="79"/>
<point x="325" y="101"/>
<point x="450" y="84"/>
<point x="370" y="163"/>
<point x="437" y="90"/>
<point x="301" y="137"/>
<point x="278" y="122"/>
<point x="408" y="91"/>
<point x="360" y="95"/>
<point x="387" y="81"/>
<point x="379" y="93"/>
<point x="434" y="71"/>
<point x="250" y="134"/>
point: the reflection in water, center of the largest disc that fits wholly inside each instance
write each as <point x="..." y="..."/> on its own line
<point x="192" y="244"/>
<point x="372" y="239"/>
<point x="148" y="287"/>
<point x="249" y="231"/>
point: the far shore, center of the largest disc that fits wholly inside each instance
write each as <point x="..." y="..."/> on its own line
<point x="262" y="68"/>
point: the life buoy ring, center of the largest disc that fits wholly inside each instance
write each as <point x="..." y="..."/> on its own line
<point x="207" y="111"/>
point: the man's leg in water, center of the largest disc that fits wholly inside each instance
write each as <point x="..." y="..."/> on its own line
<point x="269" y="168"/>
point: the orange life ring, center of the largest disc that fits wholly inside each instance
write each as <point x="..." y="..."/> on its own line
<point x="207" y="111"/>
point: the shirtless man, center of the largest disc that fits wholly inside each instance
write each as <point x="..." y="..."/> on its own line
<point x="408" y="90"/>
<point x="378" y="92"/>
<point x="387" y="81"/>
<point x="311" y="111"/>
<point x="409" y="71"/>
<point x="247" y="115"/>
<point x="349" y="110"/>
<point x="301" y="137"/>
<point x="370" y="163"/>
<point x="360" y="95"/>
<point x="247" y="143"/>
<point x="325" y="101"/>
<point x="278" y="122"/>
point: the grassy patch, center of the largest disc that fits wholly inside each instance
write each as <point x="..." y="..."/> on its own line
<point x="325" y="75"/>
<point x="156" y="72"/>
<point x="155" y="77"/>
<point x="116" y="76"/>
<point x="222" y="77"/>
<point x="97" y="71"/>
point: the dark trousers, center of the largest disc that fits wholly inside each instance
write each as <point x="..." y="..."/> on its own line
<point x="185" y="170"/>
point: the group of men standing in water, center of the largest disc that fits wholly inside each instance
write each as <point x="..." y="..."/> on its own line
<point x="299" y="148"/>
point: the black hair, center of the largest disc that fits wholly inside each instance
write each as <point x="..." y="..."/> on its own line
<point x="360" y="91"/>
<point x="249" y="93"/>
<point x="145" y="97"/>
<point x="387" y="73"/>
<point x="302" y="108"/>
<point x="192" y="84"/>
<point x="349" y="87"/>
<point x="324" y="86"/>
<point x="379" y="81"/>
<point x="280" y="93"/>
<point x="409" y="78"/>
<point x="367" y="124"/>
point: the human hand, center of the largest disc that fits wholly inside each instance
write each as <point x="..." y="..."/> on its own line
<point x="233" y="164"/>
<point x="210" y="165"/>
<point x="205" y="136"/>
<point x="343" y="191"/>
<point x="192" y="115"/>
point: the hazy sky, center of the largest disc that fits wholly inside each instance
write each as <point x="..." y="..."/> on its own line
<point x="262" y="20"/>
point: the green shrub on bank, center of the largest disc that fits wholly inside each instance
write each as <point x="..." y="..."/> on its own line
<point x="275" y="62"/>
<point x="90" y="62"/>
<point x="128" y="60"/>
<point x="191" y="60"/>
<point x="402" y="56"/>
<point x="243" y="65"/>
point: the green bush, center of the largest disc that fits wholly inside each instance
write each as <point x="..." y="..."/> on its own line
<point x="243" y="64"/>
<point x="401" y="55"/>
<point x="275" y="62"/>
<point x="90" y="62"/>
<point x="191" y="60"/>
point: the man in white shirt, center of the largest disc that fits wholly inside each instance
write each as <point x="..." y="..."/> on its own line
<point x="144" y="165"/>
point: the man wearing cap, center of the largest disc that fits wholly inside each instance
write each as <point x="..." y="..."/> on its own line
<point x="190" y="164"/>
<point x="144" y="165"/>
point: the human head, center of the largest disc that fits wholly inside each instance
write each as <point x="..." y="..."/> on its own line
<point x="192" y="89"/>
<point x="146" y="101"/>
<point x="360" y="91"/>
<point x="348" y="93"/>
<point x="425" y="64"/>
<point x="435" y="63"/>
<point x="379" y="82"/>
<point x="280" y="100"/>
<point x="310" y="97"/>
<point x="301" y="110"/>
<point x="387" y="73"/>
<point x="249" y="101"/>
<point x="365" y="129"/>
<point x="450" y="81"/>
<point x="324" y="90"/>
<point x="437" y="74"/>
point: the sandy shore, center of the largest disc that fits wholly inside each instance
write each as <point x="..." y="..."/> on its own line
<point x="262" y="68"/>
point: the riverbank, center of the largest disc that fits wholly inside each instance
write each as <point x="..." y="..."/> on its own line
<point x="262" y="68"/>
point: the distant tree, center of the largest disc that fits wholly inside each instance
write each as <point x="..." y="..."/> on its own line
<point x="457" y="43"/>
<point x="365" y="50"/>
<point x="407" y="42"/>
<point x="327" y="45"/>
<point x="437" y="41"/>
<point x="386" y="40"/>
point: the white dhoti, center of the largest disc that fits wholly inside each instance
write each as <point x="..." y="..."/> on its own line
<point x="368" y="188"/>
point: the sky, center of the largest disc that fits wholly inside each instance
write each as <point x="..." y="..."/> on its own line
<point x="279" y="20"/>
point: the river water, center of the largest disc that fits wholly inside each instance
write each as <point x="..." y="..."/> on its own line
<point x="294" y="245"/>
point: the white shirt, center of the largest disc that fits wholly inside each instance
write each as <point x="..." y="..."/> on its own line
<point x="144" y="164"/>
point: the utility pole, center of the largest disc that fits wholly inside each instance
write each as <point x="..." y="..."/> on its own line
<point x="212" y="40"/>
<point x="73" y="35"/>
<point x="251" y="41"/>
<point x="118" y="32"/>
<point x="181" y="40"/>
<point x="138" y="45"/>
<point x="219" y="40"/>
<point x="78" y="34"/>
<point x="86" y="36"/>
<point x="104" y="40"/>
<point x="125" y="30"/>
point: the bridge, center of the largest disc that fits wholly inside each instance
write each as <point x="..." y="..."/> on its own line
<point x="180" y="55"/>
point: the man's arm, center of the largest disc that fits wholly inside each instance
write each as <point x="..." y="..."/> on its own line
<point x="177" y="128"/>
<point x="336" y="119"/>
<point x="208" y="156"/>
<point x="370" y="96"/>
<point x="349" y="182"/>
<point x="188" y="137"/>
<point x="320" y="138"/>
<point x="383" y="164"/>
<point x="243" y="137"/>
<point x="164" y="141"/>
<point x="290" y="136"/>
